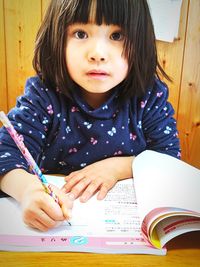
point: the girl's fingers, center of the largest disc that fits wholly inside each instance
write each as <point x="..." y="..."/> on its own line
<point x="39" y="219"/>
<point x="80" y="187"/>
<point x="71" y="175"/>
<point x="41" y="211"/>
<point x="90" y="190"/>
<point x="70" y="183"/>
<point x="38" y="225"/>
<point x="65" y="204"/>
<point x="103" y="192"/>
<point x="87" y="182"/>
<point x="45" y="221"/>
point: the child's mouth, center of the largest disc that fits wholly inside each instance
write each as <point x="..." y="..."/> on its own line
<point x="97" y="74"/>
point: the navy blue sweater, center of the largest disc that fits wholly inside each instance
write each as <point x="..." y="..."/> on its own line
<point x="64" y="135"/>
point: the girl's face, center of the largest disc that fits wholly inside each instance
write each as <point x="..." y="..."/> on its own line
<point x="94" y="57"/>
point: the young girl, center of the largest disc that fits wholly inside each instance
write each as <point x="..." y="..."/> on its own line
<point x="96" y="102"/>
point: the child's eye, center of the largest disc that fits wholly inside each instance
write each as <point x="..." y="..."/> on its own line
<point x="117" y="36"/>
<point x="80" y="34"/>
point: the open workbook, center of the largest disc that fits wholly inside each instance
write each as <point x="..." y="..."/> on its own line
<point x="138" y="215"/>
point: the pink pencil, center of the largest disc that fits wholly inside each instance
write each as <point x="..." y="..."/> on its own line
<point x="18" y="139"/>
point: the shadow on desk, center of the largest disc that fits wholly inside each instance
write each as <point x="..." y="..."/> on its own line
<point x="186" y="241"/>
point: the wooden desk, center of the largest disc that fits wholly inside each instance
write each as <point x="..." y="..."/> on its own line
<point x="182" y="251"/>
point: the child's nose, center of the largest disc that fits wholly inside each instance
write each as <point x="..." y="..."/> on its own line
<point x="96" y="58"/>
<point x="97" y="53"/>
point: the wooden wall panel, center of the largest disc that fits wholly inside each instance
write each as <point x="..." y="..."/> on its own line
<point x="171" y="57"/>
<point x="22" y="18"/>
<point x="189" y="106"/>
<point x="3" y="85"/>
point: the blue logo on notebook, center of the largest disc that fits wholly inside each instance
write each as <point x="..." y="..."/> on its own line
<point x="78" y="240"/>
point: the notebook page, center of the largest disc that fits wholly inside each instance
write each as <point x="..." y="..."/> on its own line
<point x="164" y="181"/>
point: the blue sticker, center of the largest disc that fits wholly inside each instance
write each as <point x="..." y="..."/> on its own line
<point x="78" y="240"/>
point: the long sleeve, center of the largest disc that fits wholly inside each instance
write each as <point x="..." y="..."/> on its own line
<point x="31" y="118"/>
<point x="158" y="123"/>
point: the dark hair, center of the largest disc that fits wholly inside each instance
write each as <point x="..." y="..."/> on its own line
<point x="132" y="16"/>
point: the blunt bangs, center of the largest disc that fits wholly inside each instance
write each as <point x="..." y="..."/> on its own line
<point x="101" y="12"/>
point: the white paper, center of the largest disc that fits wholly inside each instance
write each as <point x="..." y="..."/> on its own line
<point x="164" y="181"/>
<point x="166" y="17"/>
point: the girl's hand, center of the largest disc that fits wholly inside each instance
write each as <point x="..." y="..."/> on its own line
<point x="40" y="210"/>
<point x="100" y="176"/>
